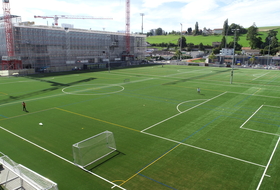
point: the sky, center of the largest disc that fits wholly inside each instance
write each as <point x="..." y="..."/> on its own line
<point x="166" y="14"/>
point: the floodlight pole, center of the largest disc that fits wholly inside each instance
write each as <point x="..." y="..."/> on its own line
<point x="142" y="14"/>
<point x="232" y="64"/>
<point x="181" y="43"/>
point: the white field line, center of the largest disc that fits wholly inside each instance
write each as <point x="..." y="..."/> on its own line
<point x="61" y="94"/>
<point x="255" y="95"/>
<point x="58" y="156"/>
<point x="185" y="102"/>
<point x="261" y="131"/>
<point x="182" y="112"/>
<point x="260" y="76"/>
<point x="26" y="114"/>
<point x="268" y="163"/>
<point x="36" y="145"/>
<point x="17" y="82"/>
<point x="51" y="96"/>
<point x="18" y="102"/>
<point x="251" y="116"/>
<point x="213" y="152"/>
<point x="242" y="86"/>
<point x="272" y="106"/>
<point x="180" y="73"/>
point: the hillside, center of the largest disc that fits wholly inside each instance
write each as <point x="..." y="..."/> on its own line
<point x="207" y="40"/>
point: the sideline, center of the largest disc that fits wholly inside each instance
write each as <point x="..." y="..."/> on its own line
<point x="272" y="154"/>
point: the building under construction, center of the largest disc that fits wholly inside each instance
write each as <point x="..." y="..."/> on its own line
<point x="53" y="48"/>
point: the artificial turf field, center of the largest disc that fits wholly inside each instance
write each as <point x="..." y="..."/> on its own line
<point x="167" y="135"/>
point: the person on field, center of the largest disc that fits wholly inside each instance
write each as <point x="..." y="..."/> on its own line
<point x="198" y="90"/>
<point x="24" y="106"/>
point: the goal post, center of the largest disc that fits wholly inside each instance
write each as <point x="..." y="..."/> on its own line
<point x="16" y="176"/>
<point x="94" y="148"/>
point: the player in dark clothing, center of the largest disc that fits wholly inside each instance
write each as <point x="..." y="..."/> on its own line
<point x="24" y="106"/>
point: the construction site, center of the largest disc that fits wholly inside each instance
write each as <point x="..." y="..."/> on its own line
<point x="26" y="48"/>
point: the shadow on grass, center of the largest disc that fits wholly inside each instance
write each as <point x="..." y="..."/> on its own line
<point x="56" y="85"/>
<point x="104" y="160"/>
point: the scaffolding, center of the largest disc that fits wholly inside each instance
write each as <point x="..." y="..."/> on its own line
<point x="48" y="46"/>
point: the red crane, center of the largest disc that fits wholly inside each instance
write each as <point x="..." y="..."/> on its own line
<point x="8" y="28"/>
<point x="9" y="62"/>
<point x="56" y="17"/>
<point x="127" y="26"/>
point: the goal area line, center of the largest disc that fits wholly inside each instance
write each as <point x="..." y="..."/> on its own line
<point x="258" y="131"/>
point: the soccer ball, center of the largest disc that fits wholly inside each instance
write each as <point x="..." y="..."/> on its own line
<point x="40" y="123"/>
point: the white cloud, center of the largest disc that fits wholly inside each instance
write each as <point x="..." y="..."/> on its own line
<point x="167" y="14"/>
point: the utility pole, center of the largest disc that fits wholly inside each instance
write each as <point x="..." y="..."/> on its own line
<point x="142" y="14"/>
<point x="232" y="65"/>
<point x="181" y="43"/>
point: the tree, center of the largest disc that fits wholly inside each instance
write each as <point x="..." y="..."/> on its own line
<point x="184" y="42"/>
<point x="196" y="29"/>
<point x="272" y="36"/>
<point x="190" y="46"/>
<point x="225" y="28"/>
<point x="201" y="47"/>
<point x="223" y="43"/>
<point x="252" y="59"/>
<point x="238" y="47"/>
<point x="178" y="53"/>
<point x="159" y="31"/>
<point x="271" y="43"/>
<point x="252" y="37"/>
<point x="216" y="50"/>
<point x="212" y="56"/>
<point x="189" y="31"/>
<point x="236" y="26"/>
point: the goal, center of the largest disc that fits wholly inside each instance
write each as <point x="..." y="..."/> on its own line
<point x="16" y="176"/>
<point x="94" y="148"/>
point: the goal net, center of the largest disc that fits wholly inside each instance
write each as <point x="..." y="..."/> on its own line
<point x="16" y="176"/>
<point x="94" y="148"/>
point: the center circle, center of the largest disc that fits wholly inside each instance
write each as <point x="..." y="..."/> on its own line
<point x="93" y="89"/>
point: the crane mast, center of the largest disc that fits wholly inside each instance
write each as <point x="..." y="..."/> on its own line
<point x="127" y="24"/>
<point x="56" y="17"/>
<point x="8" y="28"/>
<point x="10" y="61"/>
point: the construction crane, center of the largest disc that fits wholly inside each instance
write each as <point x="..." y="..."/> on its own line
<point x="127" y="26"/>
<point x="8" y="28"/>
<point x="56" y="17"/>
<point x="10" y="61"/>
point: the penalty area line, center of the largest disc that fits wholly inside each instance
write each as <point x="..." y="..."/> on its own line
<point x="251" y="116"/>
<point x="60" y="157"/>
<point x="182" y="112"/>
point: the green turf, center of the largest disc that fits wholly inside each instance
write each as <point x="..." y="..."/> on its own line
<point x="207" y="40"/>
<point x="167" y="135"/>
